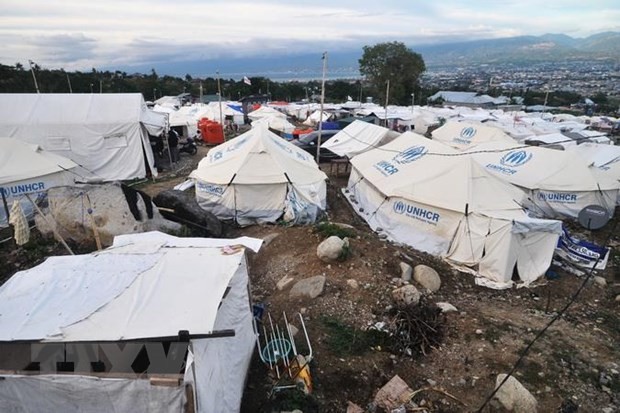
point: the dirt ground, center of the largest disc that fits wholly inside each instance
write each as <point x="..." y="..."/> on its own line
<point x="574" y="367"/>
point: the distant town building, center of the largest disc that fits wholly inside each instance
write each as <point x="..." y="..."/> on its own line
<point x="470" y="99"/>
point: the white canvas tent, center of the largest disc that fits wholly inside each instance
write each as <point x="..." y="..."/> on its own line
<point x="259" y="177"/>
<point x="28" y="169"/>
<point x="107" y="134"/>
<point x="265" y="112"/>
<point x="559" y="183"/>
<point x="464" y="135"/>
<point x="146" y="286"/>
<point x="359" y="137"/>
<point x="451" y="207"/>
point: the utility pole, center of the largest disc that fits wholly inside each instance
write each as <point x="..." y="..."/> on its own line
<point x="100" y="86"/>
<point x="219" y="93"/>
<point x="412" y="102"/>
<point x="387" y="98"/>
<point x="318" y="145"/>
<point x="36" y="85"/>
<point x="69" y="82"/>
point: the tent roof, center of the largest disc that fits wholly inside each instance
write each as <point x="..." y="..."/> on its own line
<point x="536" y="167"/>
<point x="258" y="157"/>
<point x="419" y="169"/>
<point x="75" y="108"/>
<point x="20" y="161"/>
<point x="265" y="111"/>
<point x="358" y="137"/>
<point x="463" y="135"/>
<point x="145" y="285"/>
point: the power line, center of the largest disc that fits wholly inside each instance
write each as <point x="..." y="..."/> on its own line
<point x="549" y="324"/>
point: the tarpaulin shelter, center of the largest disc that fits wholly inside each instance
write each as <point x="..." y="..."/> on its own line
<point x="259" y="177"/>
<point x="107" y="134"/>
<point x="420" y="192"/>
<point x="359" y="137"/>
<point x="147" y="288"/>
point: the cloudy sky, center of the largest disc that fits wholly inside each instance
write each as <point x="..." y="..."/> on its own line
<point x="81" y="34"/>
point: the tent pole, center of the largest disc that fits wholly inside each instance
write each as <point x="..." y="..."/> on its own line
<point x="318" y="145"/>
<point x="53" y="227"/>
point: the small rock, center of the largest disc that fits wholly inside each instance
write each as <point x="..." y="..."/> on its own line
<point x="354" y="408"/>
<point x="427" y="277"/>
<point x="446" y="307"/>
<point x="600" y="281"/>
<point x="353" y="284"/>
<point x="294" y="330"/>
<point x="618" y="298"/>
<point x="267" y="239"/>
<point x="284" y="282"/>
<point x="406" y="271"/>
<point x="478" y="331"/>
<point x="342" y="225"/>
<point x="393" y="395"/>
<point x="406" y="295"/>
<point x="514" y="397"/>
<point x="310" y="287"/>
<point x="330" y="249"/>
<point x="431" y="382"/>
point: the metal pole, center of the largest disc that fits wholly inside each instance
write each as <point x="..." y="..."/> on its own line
<point x="36" y="85"/>
<point x="100" y="86"/>
<point x="219" y="93"/>
<point x="69" y="82"/>
<point x="387" y="98"/>
<point x="545" y="104"/>
<point x="318" y="144"/>
<point x="412" y="102"/>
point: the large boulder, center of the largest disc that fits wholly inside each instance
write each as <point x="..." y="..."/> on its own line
<point x="181" y="206"/>
<point x="111" y="208"/>
<point x="406" y="295"/>
<point x="332" y="249"/>
<point x="427" y="277"/>
<point x="309" y="288"/>
<point x="514" y="397"/>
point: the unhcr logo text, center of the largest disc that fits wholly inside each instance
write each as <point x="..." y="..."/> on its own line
<point x="421" y="214"/>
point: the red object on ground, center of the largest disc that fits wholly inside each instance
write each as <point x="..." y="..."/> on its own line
<point x="298" y="132"/>
<point x="211" y="131"/>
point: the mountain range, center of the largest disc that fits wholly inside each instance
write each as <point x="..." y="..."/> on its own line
<point x="548" y="48"/>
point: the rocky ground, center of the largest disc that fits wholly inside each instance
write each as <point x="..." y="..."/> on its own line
<point x="574" y="367"/>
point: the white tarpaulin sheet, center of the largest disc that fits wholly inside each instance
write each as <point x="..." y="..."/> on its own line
<point x="249" y="179"/>
<point x="359" y="137"/>
<point x="107" y="134"/>
<point x="82" y="394"/>
<point x="140" y="289"/>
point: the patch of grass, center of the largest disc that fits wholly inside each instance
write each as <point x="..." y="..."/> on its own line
<point x="293" y="399"/>
<point x="494" y="332"/>
<point x="345" y="340"/>
<point x="327" y="229"/>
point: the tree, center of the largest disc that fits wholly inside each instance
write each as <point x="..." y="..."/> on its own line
<point x="395" y="62"/>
